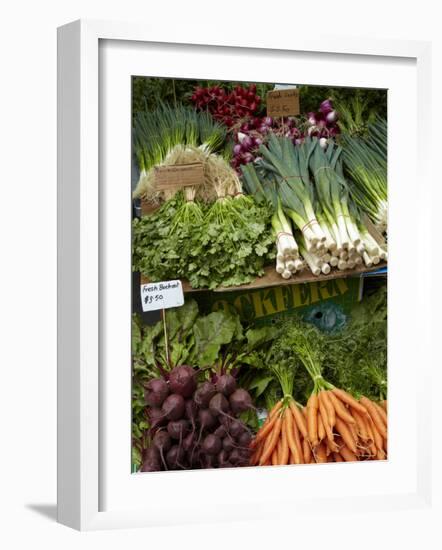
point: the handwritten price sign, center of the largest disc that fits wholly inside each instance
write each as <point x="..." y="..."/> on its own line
<point x="161" y="295"/>
<point x="281" y="103"/>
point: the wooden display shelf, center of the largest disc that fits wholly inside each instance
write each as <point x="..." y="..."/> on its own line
<point x="271" y="278"/>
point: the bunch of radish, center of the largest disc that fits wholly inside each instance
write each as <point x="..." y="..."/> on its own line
<point x="195" y="425"/>
<point x="227" y="106"/>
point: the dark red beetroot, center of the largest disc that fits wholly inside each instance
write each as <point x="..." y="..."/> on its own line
<point x="156" y="392"/>
<point x="189" y="441"/>
<point x="244" y="439"/>
<point x="206" y="419"/>
<point x="173" y="407"/>
<point x="220" y="432"/>
<point x="240" y="401"/>
<point x="223" y="456"/>
<point x="152" y="460"/>
<point x="156" y="418"/>
<point x="212" y="445"/>
<point x="191" y="411"/>
<point x="163" y="443"/>
<point x="177" y="429"/>
<point x="175" y="457"/>
<point x="228" y="444"/>
<point x="204" y="394"/>
<point x="182" y="380"/>
<point x="218" y="404"/>
<point x="236" y="428"/>
<point x="226" y="384"/>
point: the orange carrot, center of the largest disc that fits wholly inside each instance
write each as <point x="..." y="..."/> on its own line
<point x="381" y="455"/>
<point x="299" y="418"/>
<point x="267" y="427"/>
<point x="384" y="405"/>
<point x="321" y="428"/>
<point x="354" y="431"/>
<point x="377" y="436"/>
<point x="329" y="407"/>
<point x="382" y="413"/>
<point x="271" y="441"/>
<point x="340" y="410"/>
<point x="347" y="398"/>
<point x="360" y="422"/>
<point x="298" y="441"/>
<point x="326" y="419"/>
<point x="346" y="435"/>
<point x="375" y="416"/>
<point x="290" y="429"/>
<point x="274" y="457"/>
<point x="347" y="454"/>
<point x="284" y="450"/>
<point x="306" y="451"/>
<point x="312" y="419"/>
<point x="320" y="453"/>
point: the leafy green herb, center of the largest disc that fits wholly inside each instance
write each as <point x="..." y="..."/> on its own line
<point x="229" y="248"/>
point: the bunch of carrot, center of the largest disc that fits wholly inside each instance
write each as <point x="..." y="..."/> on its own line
<point x="333" y="427"/>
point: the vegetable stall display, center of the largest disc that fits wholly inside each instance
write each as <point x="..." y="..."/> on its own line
<point x="272" y="201"/>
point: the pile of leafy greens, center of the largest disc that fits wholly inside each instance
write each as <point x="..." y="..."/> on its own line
<point x="354" y="359"/>
<point x="229" y="247"/>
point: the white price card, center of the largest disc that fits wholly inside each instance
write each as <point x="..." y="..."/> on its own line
<point x="161" y="295"/>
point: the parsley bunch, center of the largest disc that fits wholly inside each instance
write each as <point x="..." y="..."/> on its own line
<point x="226" y="243"/>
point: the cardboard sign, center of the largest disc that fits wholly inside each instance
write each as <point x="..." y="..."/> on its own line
<point x="179" y="175"/>
<point x="161" y="295"/>
<point x="282" y="103"/>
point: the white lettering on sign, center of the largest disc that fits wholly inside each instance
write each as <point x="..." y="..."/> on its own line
<point x="161" y="295"/>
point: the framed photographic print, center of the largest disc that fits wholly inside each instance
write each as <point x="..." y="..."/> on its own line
<point x="232" y="242"/>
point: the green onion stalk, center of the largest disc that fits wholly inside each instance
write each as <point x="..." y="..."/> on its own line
<point x="365" y="161"/>
<point x="157" y="133"/>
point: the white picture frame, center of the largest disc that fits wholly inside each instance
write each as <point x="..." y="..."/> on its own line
<point x="87" y="60"/>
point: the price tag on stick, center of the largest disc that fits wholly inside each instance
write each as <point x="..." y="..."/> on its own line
<point x="284" y="102"/>
<point x="163" y="295"/>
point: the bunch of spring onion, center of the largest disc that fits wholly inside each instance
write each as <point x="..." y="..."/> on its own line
<point x="288" y="260"/>
<point x="365" y="161"/>
<point x="157" y="134"/>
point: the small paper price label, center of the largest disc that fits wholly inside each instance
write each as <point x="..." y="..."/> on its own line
<point x="179" y="175"/>
<point x="161" y="295"/>
<point x="282" y="103"/>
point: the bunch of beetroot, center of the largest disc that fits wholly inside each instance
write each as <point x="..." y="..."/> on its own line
<point x="195" y="425"/>
<point x="227" y="106"/>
